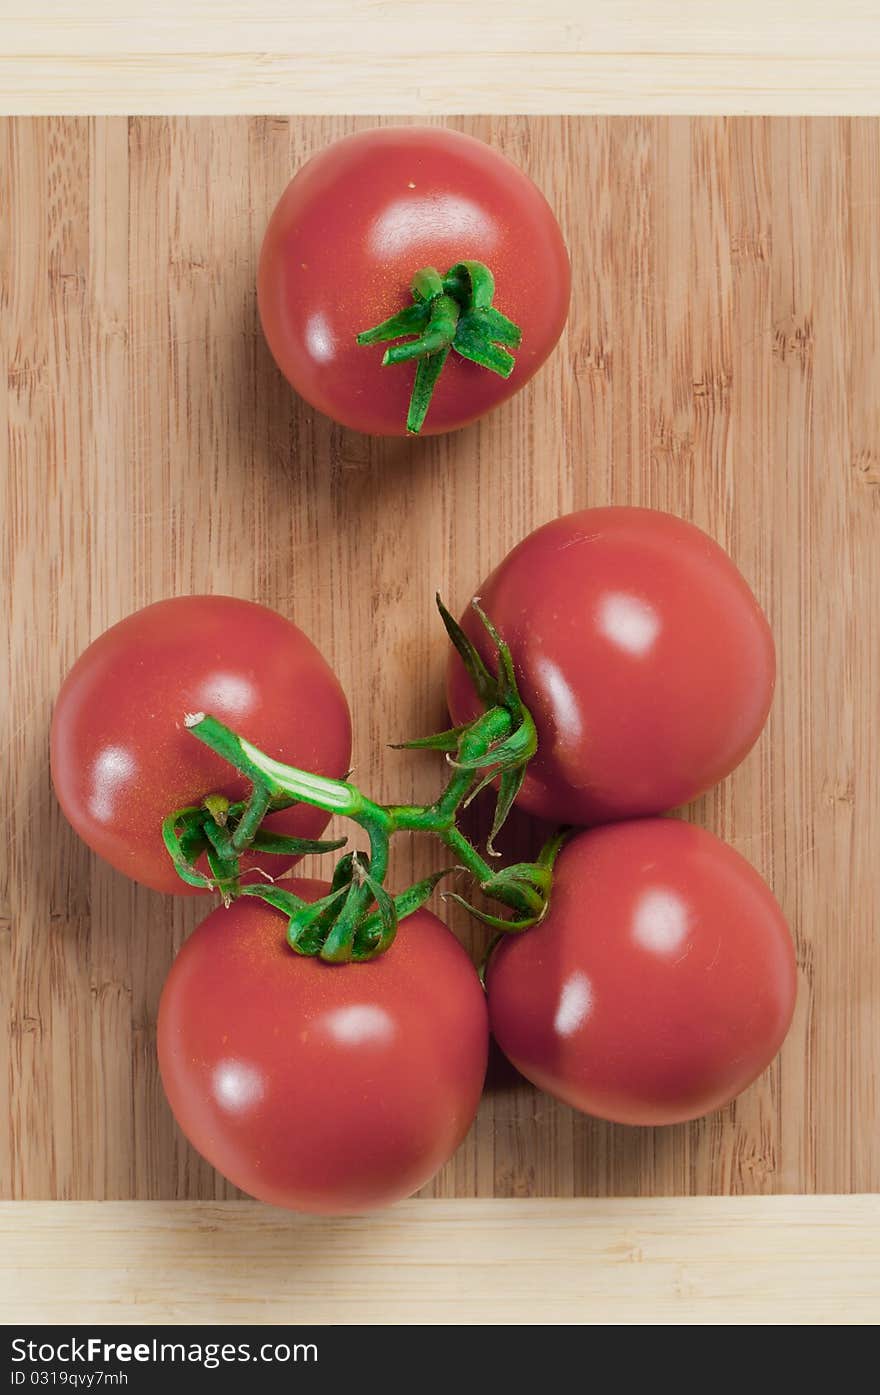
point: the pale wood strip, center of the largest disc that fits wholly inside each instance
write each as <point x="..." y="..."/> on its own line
<point x="791" y="1260"/>
<point x="440" y="56"/>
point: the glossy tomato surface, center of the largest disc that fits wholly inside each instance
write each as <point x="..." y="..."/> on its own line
<point x="329" y="1088"/>
<point x="122" y="759"/>
<point x="642" y="654"/>
<point x="661" y="982"/>
<point x="350" y="232"/>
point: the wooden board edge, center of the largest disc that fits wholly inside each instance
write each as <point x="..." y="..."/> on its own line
<point x="357" y="58"/>
<point x="704" y="1260"/>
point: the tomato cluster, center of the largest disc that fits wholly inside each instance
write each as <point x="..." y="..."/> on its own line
<point x="662" y="979"/>
<point x="324" y="1044"/>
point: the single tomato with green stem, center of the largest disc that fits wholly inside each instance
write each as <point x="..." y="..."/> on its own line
<point x="643" y="656"/>
<point x="122" y="759"/>
<point x="660" y="983"/>
<point x="411" y="279"/>
<point x="333" y="1088"/>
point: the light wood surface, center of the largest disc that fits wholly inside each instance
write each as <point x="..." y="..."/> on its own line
<point x="721" y="361"/>
<point x="792" y="1260"/>
<point x="439" y="55"/>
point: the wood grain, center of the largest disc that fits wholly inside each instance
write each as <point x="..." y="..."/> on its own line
<point x="721" y="361"/>
<point x="720" y="1261"/>
<point x="401" y="56"/>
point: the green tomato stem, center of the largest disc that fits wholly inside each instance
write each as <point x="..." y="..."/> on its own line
<point x="381" y="822"/>
<point x="255" y="811"/>
<point x="277" y="779"/>
<point x="357" y="919"/>
<point x="453" y="313"/>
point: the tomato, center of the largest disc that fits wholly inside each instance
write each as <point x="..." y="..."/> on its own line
<point x="660" y="984"/>
<point x="350" y="232"/>
<point x="642" y="654"/>
<point x="122" y="759"/>
<point x="319" y="1087"/>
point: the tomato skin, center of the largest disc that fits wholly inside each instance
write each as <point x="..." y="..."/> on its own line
<point x="661" y="983"/>
<point x="347" y="236"/>
<point x="641" y="653"/>
<point x="122" y="759"/>
<point x="318" y="1087"/>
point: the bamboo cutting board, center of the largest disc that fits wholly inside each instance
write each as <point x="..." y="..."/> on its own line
<point x="721" y="361"/>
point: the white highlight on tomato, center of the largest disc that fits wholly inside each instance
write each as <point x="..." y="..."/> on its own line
<point x="412" y="220"/>
<point x="575" y="1003"/>
<point x="319" y="339"/>
<point x="628" y="622"/>
<point x="359" y="1023"/>
<point x="660" y="921"/>
<point x="563" y="702"/>
<point x="114" y="766"/>
<point x="233" y="694"/>
<point x="237" y="1086"/>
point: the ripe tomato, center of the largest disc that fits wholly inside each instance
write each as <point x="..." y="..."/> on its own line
<point x="349" y="234"/>
<point x="642" y="654"/>
<point x="659" y="985"/>
<point x="329" y="1088"/>
<point x="121" y="758"/>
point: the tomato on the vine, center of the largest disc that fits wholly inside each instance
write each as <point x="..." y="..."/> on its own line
<point x="319" y="1087"/>
<point x="659" y="985"/>
<point x="122" y="759"/>
<point x="642" y="655"/>
<point x="345" y="244"/>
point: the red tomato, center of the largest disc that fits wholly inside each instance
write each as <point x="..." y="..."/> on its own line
<point x="329" y="1088"/>
<point x="345" y="241"/>
<point x="121" y="758"/>
<point x="660" y="984"/>
<point x="642" y="654"/>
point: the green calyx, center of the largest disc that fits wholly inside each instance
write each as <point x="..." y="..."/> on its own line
<point x="530" y="882"/>
<point x="222" y="832"/>
<point x="335" y="928"/>
<point x="513" y="739"/>
<point x="358" y="918"/>
<point x="451" y="313"/>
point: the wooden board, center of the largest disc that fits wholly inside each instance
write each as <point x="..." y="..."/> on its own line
<point x="161" y="56"/>
<point x="718" y="1260"/>
<point x="722" y="361"/>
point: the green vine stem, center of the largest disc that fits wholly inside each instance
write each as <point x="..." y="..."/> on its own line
<point x="358" y="918"/>
<point x="449" y="313"/>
